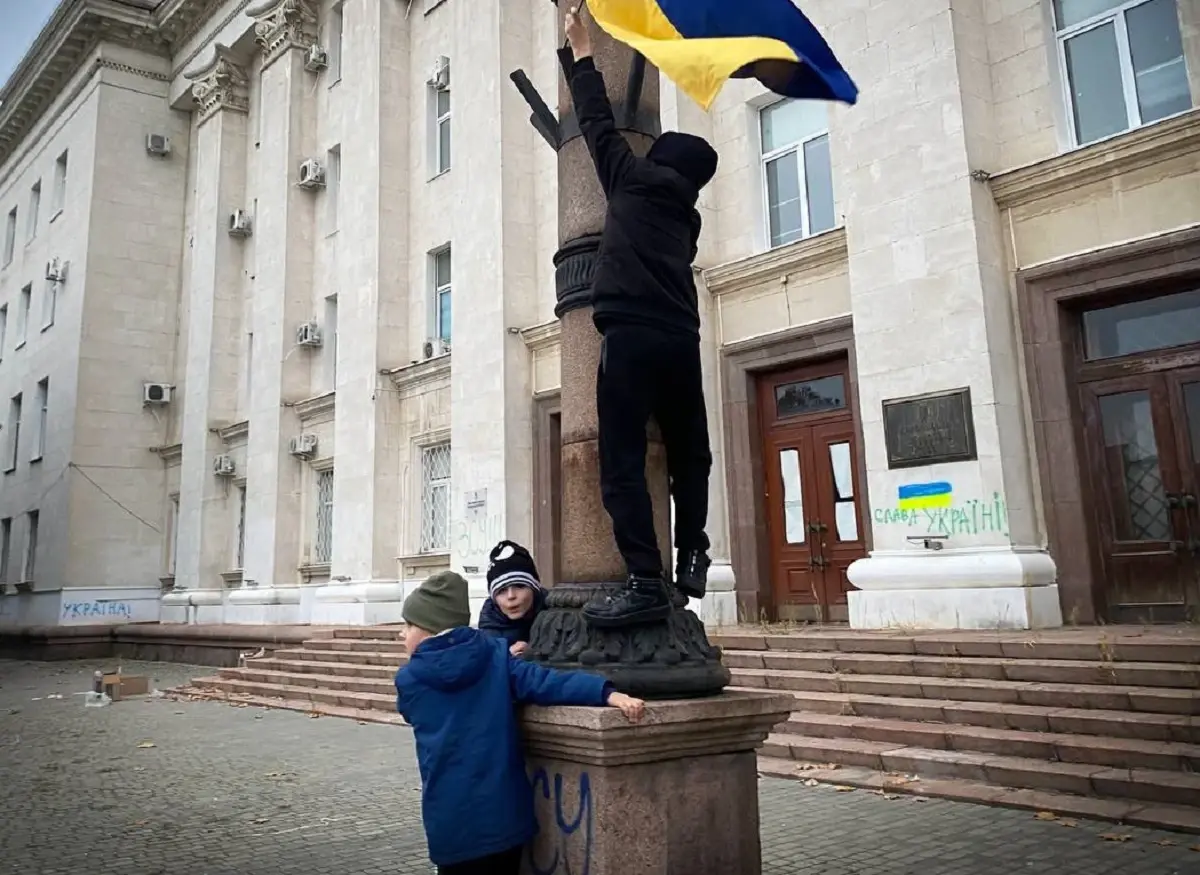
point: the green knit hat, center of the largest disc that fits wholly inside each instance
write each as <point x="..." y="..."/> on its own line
<point x="438" y="604"/>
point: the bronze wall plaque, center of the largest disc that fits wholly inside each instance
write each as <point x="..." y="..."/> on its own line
<point x="929" y="429"/>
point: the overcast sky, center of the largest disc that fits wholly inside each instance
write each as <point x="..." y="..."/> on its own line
<point x="22" y="19"/>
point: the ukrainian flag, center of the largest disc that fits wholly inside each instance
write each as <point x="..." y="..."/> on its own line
<point x="926" y="496"/>
<point x="699" y="44"/>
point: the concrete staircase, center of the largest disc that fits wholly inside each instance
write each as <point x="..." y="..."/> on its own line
<point x="1095" y="722"/>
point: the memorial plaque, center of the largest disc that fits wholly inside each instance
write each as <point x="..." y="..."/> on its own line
<point x="929" y="429"/>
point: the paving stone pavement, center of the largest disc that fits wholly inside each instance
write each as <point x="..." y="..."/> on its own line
<point x="155" y="786"/>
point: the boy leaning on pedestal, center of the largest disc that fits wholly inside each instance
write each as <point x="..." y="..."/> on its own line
<point x="458" y="691"/>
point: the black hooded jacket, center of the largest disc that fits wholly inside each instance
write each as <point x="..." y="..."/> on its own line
<point x="644" y="270"/>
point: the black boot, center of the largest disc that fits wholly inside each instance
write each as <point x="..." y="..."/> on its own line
<point x="643" y="600"/>
<point x="691" y="573"/>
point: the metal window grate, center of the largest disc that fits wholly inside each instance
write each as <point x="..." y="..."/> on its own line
<point x="323" y="543"/>
<point x="241" y="529"/>
<point x="435" y="498"/>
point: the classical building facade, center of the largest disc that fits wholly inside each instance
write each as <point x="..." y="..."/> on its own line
<point x="278" y="336"/>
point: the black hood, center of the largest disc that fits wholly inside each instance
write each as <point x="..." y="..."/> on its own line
<point x="688" y="155"/>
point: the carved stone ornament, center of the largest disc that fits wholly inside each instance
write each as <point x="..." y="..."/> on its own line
<point x="284" y="24"/>
<point x="222" y="84"/>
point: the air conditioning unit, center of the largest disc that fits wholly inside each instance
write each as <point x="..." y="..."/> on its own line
<point x="439" y="79"/>
<point x="308" y="334"/>
<point x="158" y="145"/>
<point x="443" y="347"/>
<point x="312" y="174"/>
<point x="436" y="346"/>
<point x="240" y="224"/>
<point x="156" y="394"/>
<point x="317" y="59"/>
<point x="223" y="466"/>
<point x="56" y="270"/>
<point x="303" y="446"/>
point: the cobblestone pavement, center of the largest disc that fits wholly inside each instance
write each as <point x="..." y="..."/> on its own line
<point x="155" y="786"/>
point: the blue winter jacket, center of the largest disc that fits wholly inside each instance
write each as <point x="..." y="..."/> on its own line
<point x="458" y="692"/>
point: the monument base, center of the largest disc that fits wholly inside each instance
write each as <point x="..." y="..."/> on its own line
<point x="671" y="660"/>
<point x="676" y="794"/>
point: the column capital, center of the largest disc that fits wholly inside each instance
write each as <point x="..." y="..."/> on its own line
<point x="281" y="25"/>
<point x="221" y="84"/>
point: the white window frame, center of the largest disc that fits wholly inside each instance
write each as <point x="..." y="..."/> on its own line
<point x="172" y="532"/>
<point x="49" y="304"/>
<point x="436" y="293"/>
<point x="336" y="35"/>
<point x="33" y="520"/>
<point x="43" y="415"/>
<point x="430" y="539"/>
<point x="330" y="348"/>
<point x="437" y="121"/>
<point x="322" y="550"/>
<point x="25" y="300"/>
<point x="796" y="149"/>
<point x="333" y="188"/>
<point x="16" y="411"/>
<point x="10" y="236"/>
<point x="1116" y="15"/>
<point x="35" y="207"/>
<point x="62" y="167"/>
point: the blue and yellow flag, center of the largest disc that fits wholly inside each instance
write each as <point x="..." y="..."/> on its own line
<point x="699" y="44"/>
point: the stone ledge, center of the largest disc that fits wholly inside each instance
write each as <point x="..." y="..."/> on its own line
<point x="798" y="257"/>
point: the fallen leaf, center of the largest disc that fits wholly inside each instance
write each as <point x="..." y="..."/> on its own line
<point x="811" y="783"/>
<point x="314" y="715"/>
<point x="261" y="819"/>
<point x="1045" y="815"/>
<point x="1067" y="822"/>
<point x="1166" y="843"/>
<point x="145" y="745"/>
<point x="842" y="788"/>
<point x="1116" y="837"/>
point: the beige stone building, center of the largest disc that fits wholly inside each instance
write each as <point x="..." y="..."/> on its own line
<point x="278" y="340"/>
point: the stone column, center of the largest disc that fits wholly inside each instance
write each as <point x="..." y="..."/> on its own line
<point x="658" y="660"/>
<point x="282" y="300"/>
<point x="214" y="314"/>
<point x="932" y="313"/>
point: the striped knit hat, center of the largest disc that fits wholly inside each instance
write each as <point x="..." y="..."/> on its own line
<point x="511" y="565"/>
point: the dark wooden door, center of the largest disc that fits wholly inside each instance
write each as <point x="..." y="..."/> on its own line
<point x="1135" y="429"/>
<point x="1185" y="408"/>
<point x="812" y="488"/>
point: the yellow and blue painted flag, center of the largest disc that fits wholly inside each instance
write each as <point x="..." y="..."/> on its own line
<point x="699" y="44"/>
<point x="926" y="496"/>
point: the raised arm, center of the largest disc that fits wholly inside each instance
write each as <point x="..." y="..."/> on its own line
<point x="610" y="153"/>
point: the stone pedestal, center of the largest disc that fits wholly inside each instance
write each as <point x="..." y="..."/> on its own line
<point x="676" y="794"/>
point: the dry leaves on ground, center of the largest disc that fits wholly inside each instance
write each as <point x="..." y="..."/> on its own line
<point x="1045" y="815"/>
<point x="146" y="745"/>
<point x="1166" y="843"/>
<point x="842" y="788"/>
<point x="1116" y="837"/>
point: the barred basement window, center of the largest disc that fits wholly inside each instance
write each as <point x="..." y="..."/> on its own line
<point x="323" y="543"/>
<point x="435" y="499"/>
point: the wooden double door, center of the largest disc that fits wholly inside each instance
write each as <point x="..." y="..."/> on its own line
<point x="813" y="492"/>
<point x="1143" y="448"/>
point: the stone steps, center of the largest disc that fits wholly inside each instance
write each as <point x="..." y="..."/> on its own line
<point x="392" y="659"/>
<point x="225" y="687"/>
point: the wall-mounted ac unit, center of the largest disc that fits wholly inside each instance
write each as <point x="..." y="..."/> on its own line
<point x="158" y="145"/>
<point x="312" y="174"/>
<point x="156" y="394"/>
<point x="439" y="77"/>
<point x="308" y="334"/>
<point x="240" y="224"/>
<point x="317" y="59"/>
<point x="303" y="446"/>
<point x="56" y="270"/>
<point x="443" y="346"/>
<point x="223" y="466"/>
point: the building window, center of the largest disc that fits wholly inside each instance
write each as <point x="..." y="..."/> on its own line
<point x="1122" y="64"/>
<point x="323" y="540"/>
<point x="49" y="304"/>
<point x="441" y="128"/>
<point x="14" y="433"/>
<point x="333" y="187"/>
<point x="435" y="498"/>
<point x="330" y="349"/>
<point x="5" y="547"/>
<point x="10" y="237"/>
<point x="172" y="533"/>
<point x="797" y="173"/>
<point x="25" y="302"/>
<point x="31" y="545"/>
<point x="60" y="185"/>
<point x="3" y="328"/>
<point x="335" y="37"/>
<point x="43" y="415"/>
<point x="35" y="207"/>
<point x="240" y="557"/>
<point x="442" y="293"/>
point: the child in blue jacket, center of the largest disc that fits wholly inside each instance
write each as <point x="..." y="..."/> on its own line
<point x="458" y="691"/>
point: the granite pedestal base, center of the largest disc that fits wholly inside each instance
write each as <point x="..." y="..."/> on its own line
<point x="676" y="794"/>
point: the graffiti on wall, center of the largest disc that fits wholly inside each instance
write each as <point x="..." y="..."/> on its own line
<point x="933" y="509"/>
<point x="97" y="610"/>
<point x="561" y="834"/>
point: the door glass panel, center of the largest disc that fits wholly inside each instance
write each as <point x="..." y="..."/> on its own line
<point x="793" y="501"/>
<point x="1141" y="326"/>
<point x="1134" y="481"/>
<point x="1191" y="413"/>
<point x="810" y="396"/>
<point x="845" y="519"/>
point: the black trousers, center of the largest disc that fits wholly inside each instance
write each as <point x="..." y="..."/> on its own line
<point x="505" y="863"/>
<point x="648" y="373"/>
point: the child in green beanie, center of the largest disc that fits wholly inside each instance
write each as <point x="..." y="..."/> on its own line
<point x="458" y="691"/>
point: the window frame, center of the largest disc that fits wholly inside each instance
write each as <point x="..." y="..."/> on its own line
<point x="49" y="304"/>
<point x="429" y="485"/>
<point x="35" y="207"/>
<point x="43" y="414"/>
<point x="33" y="519"/>
<point x="1117" y="16"/>
<point x="439" y="119"/>
<point x="796" y="149"/>
<point x="11" y="224"/>
<point x="16" y="412"/>
<point x="62" y="170"/>
<point x="24" y="313"/>
<point x="6" y="527"/>
<point x="322" y="551"/>
<point x="437" y="291"/>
